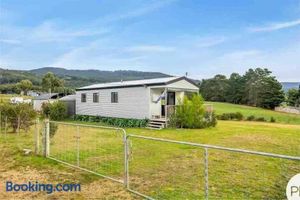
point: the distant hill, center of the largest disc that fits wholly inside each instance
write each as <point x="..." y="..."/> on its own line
<point x="75" y="78"/>
<point x="101" y="76"/>
<point x="289" y="85"/>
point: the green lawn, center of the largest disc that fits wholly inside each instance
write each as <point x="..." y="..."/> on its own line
<point x="258" y="112"/>
<point x="171" y="171"/>
<point x="164" y="170"/>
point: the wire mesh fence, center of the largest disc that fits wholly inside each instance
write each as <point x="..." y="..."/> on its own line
<point x="167" y="169"/>
<point x="157" y="168"/>
<point x="97" y="149"/>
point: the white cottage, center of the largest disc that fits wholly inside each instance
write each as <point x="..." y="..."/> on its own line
<point x="140" y="99"/>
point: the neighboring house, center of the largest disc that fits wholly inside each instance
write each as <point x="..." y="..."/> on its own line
<point x="45" y="98"/>
<point x="140" y="99"/>
<point x="70" y="102"/>
<point x="32" y="93"/>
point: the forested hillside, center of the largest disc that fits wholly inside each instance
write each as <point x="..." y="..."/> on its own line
<point x="74" y="78"/>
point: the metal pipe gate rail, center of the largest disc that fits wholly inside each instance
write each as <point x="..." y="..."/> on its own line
<point x="126" y="139"/>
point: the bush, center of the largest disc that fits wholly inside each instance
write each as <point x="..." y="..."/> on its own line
<point x="231" y="116"/>
<point x="55" y="111"/>
<point x="191" y="114"/>
<point x="119" y="122"/>
<point x="272" y="120"/>
<point x="53" y="129"/>
<point x="260" y="119"/>
<point x="251" y="118"/>
<point x="18" y="115"/>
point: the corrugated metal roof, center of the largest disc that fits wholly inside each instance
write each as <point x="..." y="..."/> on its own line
<point x="71" y="97"/>
<point x="45" y="96"/>
<point x="130" y="83"/>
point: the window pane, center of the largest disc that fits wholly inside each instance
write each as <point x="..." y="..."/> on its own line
<point x="83" y="97"/>
<point x="114" y="97"/>
<point x="95" y="97"/>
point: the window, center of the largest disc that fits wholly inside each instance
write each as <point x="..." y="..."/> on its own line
<point x="83" y="97"/>
<point x="95" y="97"/>
<point x="114" y="97"/>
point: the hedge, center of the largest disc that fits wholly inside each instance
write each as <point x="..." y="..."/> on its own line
<point x="119" y="122"/>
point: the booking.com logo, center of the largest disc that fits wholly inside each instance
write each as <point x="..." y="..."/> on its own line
<point x="40" y="187"/>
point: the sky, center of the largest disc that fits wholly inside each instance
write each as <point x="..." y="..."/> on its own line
<point x="203" y="38"/>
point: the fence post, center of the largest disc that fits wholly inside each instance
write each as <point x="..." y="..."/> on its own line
<point x="77" y="141"/>
<point x="5" y="126"/>
<point x="47" y="138"/>
<point x="126" y="155"/>
<point x="206" y="172"/>
<point x="19" y="124"/>
<point x="37" y="136"/>
<point x="0" y="123"/>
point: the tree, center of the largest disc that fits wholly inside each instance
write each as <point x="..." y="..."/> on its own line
<point x="257" y="87"/>
<point x="50" y="82"/>
<point x="19" y="116"/>
<point x="261" y="89"/>
<point x="293" y="97"/>
<point x="235" y="90"/>
<point x="214" y="89"/>
<point x="270" y="93"/>
<point x="24" y="86"/>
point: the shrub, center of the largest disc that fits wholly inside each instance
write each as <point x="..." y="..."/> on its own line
<point x="55" y="111"/>
<point x="231" y="116"/>
<point x="272" y="120"/>
<point x="190" y="113"/>
<point x="18" y="115"/>
<point x="251" y="118"/>
<point x="120" y="122"/>
<point x="260" y="119"/>
<point x="53" y="129"/>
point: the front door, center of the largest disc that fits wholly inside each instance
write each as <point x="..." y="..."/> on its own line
<point x="171" y="98"/>
<point x="170" y="101"/>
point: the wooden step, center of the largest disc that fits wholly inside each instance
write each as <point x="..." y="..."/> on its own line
<point x="156" y="124"/>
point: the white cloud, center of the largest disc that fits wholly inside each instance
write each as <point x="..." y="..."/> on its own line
<point x="242" y="54"/>
<point x="10" y="41"/>
<point x="142" y="10"/>
<point x="51" y="32"/>
<point x="209" y="41"/>
<point x="150" y="49"/>
<point x="275" y="26"/>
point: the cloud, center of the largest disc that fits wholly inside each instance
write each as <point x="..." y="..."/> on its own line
<point x="50" y="32"/>
<point x="275" y="26"/>
<point x="209" y="41"/>
<point x="143" y="10"/>
<point x="150" y="49"/>
<point x="240" y="55"/>
<point x="10" y="41"/>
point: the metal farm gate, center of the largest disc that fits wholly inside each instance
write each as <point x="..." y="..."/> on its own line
<point x="96" y="149"/>
<point x="156" y="168"/>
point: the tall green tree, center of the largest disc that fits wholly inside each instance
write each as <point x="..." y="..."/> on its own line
<point x="214" y="89"/>
<point x="24" y="86"/>
<point x="50" y="82"/>
<point x="235" y="90"/>
<point x="293" y="97"/>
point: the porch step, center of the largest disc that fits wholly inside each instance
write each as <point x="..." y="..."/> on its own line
<point x="156" y="124"/>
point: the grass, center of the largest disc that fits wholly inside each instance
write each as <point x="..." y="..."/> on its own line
<point x="171" y="171"/>
<point x="164" y="170"/>
<point x="280" y="117"/>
